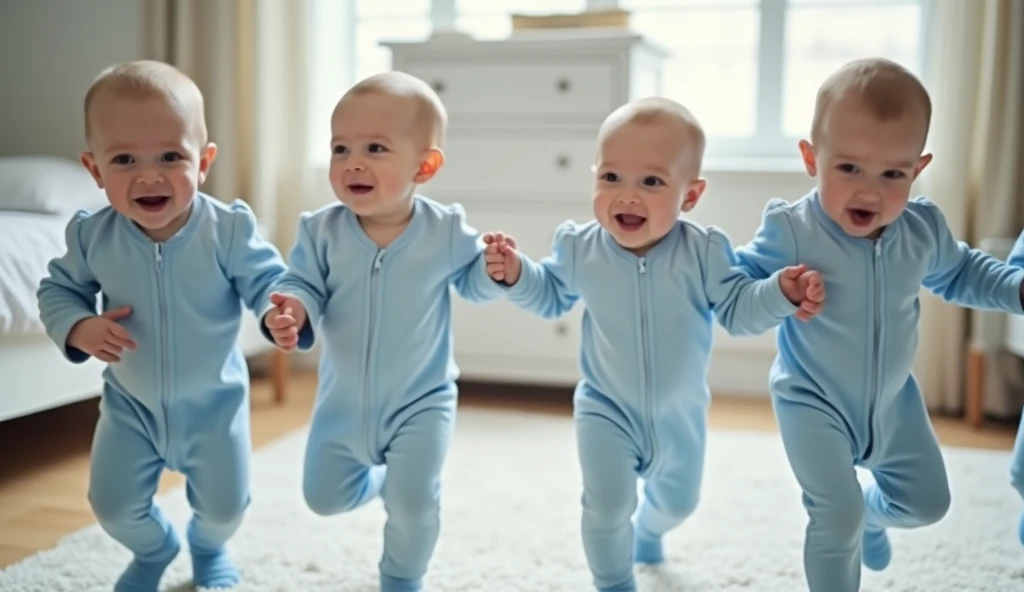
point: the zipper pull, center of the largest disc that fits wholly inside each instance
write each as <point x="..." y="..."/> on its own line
<point x="377" y="261"/>
<point x="878" y="248"/>
<point x="159" y="255"/>
<point x="643" y="264"/>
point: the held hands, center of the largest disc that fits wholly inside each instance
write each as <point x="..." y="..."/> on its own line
<point x="805" y="289"/>
<point x="285" y="320"/>
<point x="101" y="336"/>
<point x="503" y="264"/>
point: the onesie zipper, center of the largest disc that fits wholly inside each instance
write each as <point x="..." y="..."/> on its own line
<point x="368" y="375"/>
<point x="164" y="372"/>
<point x="644" y="333"/>
<point x="876" y="262"/>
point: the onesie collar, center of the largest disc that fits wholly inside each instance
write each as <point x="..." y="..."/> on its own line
<point x="410" y="231"/>
<point x="837" y="231"/>
<point x="665" y="243"/>
<point x="197" y="210"/>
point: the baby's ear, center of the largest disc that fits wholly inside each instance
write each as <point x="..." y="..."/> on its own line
<point x="89" y="162"/>
<point x="693" y="194"/>
<point x="431" y="163"/>
<point x="206" y="158"/>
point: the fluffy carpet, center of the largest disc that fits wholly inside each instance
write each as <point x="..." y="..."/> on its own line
<point x="511" y="520"/>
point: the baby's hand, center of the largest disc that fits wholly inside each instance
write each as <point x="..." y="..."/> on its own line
<point x="101" y="336"/>
<point x="285" y="320"/>
<point x="503" y="264"/>
<point x="805" y="289"/>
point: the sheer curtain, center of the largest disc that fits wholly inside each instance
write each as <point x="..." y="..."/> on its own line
<point x="975" y="72"/>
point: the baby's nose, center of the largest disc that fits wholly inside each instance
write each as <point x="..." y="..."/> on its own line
<point x="149" y="177"/>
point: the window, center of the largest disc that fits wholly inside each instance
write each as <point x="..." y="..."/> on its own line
<point x="748" y="69"/>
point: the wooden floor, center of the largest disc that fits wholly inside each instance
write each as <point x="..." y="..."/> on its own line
<point x="45" y="466"/>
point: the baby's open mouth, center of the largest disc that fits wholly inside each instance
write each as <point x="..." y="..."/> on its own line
<point x="630" y="222"/>
<point x="153" y="203"/>
<point x="360" y="189"/>
<point x="862" y="217"/>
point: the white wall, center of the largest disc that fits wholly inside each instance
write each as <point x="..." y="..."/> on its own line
<point x="51" y="51"/>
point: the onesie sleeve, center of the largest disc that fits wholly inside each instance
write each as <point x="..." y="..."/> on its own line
<point x="67" y="294"/>
<point x="1016" y="258"/>
<point x="254" y="264"/>
<point x="774" y="244"/>
<point x="469" y="268"/>
<point x="742" y="304"/>
<point x="969" y="277"/>
<point x="305" y="280"/>
<point x="548" y="288"/>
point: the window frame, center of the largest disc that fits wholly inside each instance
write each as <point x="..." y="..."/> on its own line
<point x="768" y="140"/>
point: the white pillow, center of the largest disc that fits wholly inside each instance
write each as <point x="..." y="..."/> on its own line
<point x="47" y="185"/>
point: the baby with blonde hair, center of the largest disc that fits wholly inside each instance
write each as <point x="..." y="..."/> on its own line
<point x="651" y="281"/>
<point x="176" y="388"/>
<point x="371" y="276"/>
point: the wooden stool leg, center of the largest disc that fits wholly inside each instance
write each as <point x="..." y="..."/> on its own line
<point x="975" y="405"/>
<point x="279" y="374"/>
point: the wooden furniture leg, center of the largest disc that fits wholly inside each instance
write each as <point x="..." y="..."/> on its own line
<point x="279" y="371"/>
<point x="975" y="404"/>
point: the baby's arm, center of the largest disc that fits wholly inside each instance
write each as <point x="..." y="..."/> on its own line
<point x="970" y="277"/>
<point x="303" y="286"/>
<point x="547" y="288"/>
<point x="254" y="264"/>
<point x="744" y="305"/>
<point x="469" y="274"/>
<point x="1016" y="258"/>
<point x="67" y="305"/>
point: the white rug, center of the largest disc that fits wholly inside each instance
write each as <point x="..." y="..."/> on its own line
<point x="511" y="518"/>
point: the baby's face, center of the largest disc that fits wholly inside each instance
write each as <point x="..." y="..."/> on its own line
<point x="865" y="166"/>
<point x="146" y="156"/>
<point x="377" y="150"/>
<point x="646" y="176"/>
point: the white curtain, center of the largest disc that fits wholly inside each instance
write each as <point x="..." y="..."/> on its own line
<point x="251" y="58"/>
<point x="975" y="69"/>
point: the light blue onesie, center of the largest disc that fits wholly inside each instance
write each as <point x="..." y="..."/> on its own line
<point x="842" y="385"/>
<point x="181" y="400"/>
<point x="386" y="394"/>
<point x="640" y="409"/>
<point x="1017" y="462"/>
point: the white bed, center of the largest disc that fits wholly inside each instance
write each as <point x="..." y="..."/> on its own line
<point x="34" y="376"/>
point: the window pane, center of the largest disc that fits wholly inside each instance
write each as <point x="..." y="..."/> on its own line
<point x="711" y="73"/>
<point x="821" y="39"/>
<point x="385" y="8"/>
<point x="485" y="27"/>
<point x="518" y="6"/>
<point x="639" y="5"/>
<point x="371" y="58"/>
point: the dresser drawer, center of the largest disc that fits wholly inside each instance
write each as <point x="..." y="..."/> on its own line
<point x="535" y="167"/>
<point x="582" y="90"/>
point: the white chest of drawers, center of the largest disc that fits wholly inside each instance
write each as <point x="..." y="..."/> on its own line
<point x="523" y="118"/>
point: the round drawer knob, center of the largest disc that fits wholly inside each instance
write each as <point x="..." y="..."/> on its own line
<point x="563" y="85"/>
<point x="438" y="86"/>
<point x="561" y="329"/>
<point x="562" y="161"/>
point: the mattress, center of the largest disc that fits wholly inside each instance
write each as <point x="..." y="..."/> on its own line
<point x="27" y="244"/>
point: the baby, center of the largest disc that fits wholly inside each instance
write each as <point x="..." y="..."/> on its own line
<point x="1017" y="462"/>
<point x="372" y="274"/>
<point x="176" y="391"/>
<point x="842" y="386"/>
<point x="650" y="282"/>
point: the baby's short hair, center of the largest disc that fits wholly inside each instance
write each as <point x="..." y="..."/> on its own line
<point x="884" y="87"/>
<point x="655" y="110"/>
<point x="147" y="79"/>
<point x="431" y="114"/>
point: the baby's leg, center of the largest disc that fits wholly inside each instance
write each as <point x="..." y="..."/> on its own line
<point x="217" y="469"/>
<point x="1017" y="472"/>
<point x="334" y="479"/>
<point x="123" y="478"/>
<point x="672" y="490"/>
<point x="609" y="461"/>
<point x="412" y="497"/>
<point x="820" y="453"/>
<point x="911" y="486"/>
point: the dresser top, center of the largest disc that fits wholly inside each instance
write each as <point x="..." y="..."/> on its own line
<point x="584" y="38"/>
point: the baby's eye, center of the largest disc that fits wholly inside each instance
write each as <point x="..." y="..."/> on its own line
<point x="610" y="177"/>
<point x="122" y="159"/>
<point x="848" y="168"/>
<point x="375" y="148"/>
<point x="338" y="149"/>
<point x="652" y="181"/>
<point x="170" y="157"/>
<point x="894" y="174"/>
